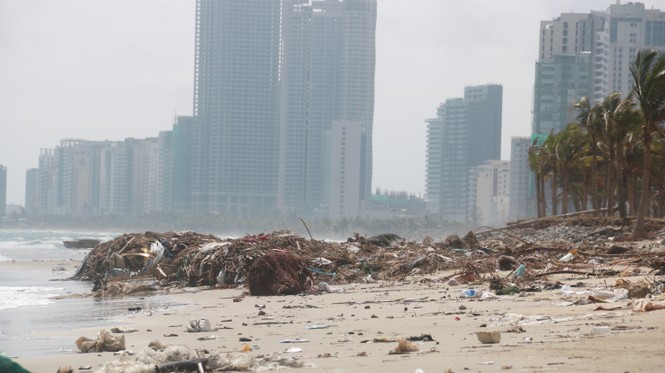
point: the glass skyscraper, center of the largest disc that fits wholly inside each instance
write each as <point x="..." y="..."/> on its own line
<point x="327" y="80"/>
<point x="235" y="140"/>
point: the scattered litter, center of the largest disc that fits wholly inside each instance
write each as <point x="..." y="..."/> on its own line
<point x="200" y="325"/>
<point x="646" y="305"/>
<point x="470" y="293"/>
<point x="489" y="337"/>
<point x="119" y="329"/>
<point x="318" y="326"/>
<point x="106" y="341"/>
<point x="208" y="338"/>
<point x="422" y="337"/>
<point x="602" y="330"/>
<point x="404" y="347"/>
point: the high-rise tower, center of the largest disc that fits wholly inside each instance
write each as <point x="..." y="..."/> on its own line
<point x="466" y="133"/>
<point x="327" y="81"/>
<point x="589" y="54"/>
<point x="3" y="190"/>
<point x="236" y="106"/>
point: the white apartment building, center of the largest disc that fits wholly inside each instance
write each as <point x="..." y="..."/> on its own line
<point x="489" y="187"/>
<point x="521" y="195"/>
<point x="344" y="170"/>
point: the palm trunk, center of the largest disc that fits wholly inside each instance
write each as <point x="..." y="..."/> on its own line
<point x="542" y="193"/>
<point x="611" y="181"/>
<point x="639" y="230"/>
<point x="564" y="191"/>
<point x="632" y="189"/>
<point x="594" y="200"/>
<point x="554" y="190"/>
<point x="621" y="181"/>
<point x="539" y="197"/>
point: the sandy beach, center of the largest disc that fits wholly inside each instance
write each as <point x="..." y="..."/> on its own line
<point x="355" y="330"/>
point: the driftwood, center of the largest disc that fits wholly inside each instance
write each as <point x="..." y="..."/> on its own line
<point x="566" y="272"/>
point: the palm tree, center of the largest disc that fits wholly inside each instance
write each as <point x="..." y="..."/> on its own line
<point x="633" y="159"/>
<point x="590" y="117"/>
<point x="609" y="107"/>
<point x="549" y="164"/>
<point x="648" y="72"/>
<point x="570" y="144"/>
<point x="626" y="122"/>
<point x="537" y="166"/>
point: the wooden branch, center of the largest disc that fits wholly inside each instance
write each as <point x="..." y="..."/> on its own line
<point x="569" y="272"/>
<point x="310" y="233"/>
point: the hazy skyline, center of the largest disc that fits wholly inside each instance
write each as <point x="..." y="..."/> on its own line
<point x="106" y="70"/>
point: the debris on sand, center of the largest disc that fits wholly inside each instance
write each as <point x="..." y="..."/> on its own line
<point x="404" y="347"/>
<point x="285" y="263"/>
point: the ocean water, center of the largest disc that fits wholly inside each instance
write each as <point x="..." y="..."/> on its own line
<point x="40" y="300"/>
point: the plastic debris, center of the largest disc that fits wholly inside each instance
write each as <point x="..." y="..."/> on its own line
<point x="106" y="341"/>
<point x="519" y="272"/>
<point x="318" y="326"/>
<point x="470" y="293"/>
<point x="200" y="325"/>
<point x="489" y="336"/>
<point x="404" y="347"/>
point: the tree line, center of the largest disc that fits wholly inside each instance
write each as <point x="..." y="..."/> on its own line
<point x="612" y="157"/>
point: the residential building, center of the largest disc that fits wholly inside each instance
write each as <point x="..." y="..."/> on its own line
<point x="236" y="105"/>
<point x="466" y="133"/>
<point x="589" y="54"/>
<point x="181" y="181"/>
<point x="627" y="28"/>
<point x="489" y="186"/>
<point x="345" y="171"/>
<point x="48" y="182"/>
<point x="115" y="179"/>
<point x="3" y="190"/>
<point x="433" y="166"/>
<point x="560" y="83"/>
<point x="32" y="191"/>
<point x="71" y="177"/>
<point x="327" y="77"/>
<point x="522" y="195"/>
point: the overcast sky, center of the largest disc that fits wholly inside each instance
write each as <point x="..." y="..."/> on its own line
<point x="110" y="69"/>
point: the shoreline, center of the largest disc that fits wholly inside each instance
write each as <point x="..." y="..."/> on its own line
<point x="556" y="337"/>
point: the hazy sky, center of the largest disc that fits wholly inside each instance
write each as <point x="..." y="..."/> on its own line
<point x="110" y="69"/>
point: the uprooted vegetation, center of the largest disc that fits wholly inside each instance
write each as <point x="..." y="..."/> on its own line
<point x="286" y="263"/>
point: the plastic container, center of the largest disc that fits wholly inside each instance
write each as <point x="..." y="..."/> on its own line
<point x="489" y="337"/>
<point x="519" y="272"/>
<point x="602" y="330"/>
<point x="567" y="258"/>
<point x="470" y="293"/>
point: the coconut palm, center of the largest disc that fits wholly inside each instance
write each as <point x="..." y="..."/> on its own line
<point x="570" y="144"/>
<point x="590" y="118"/>
<point x="537" y="166"/>
<point x="648" y="73"/>
<point x="609" y="107"/>
<point x="626" y="121"/>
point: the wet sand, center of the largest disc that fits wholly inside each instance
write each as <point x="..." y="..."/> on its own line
<point x="557" y="337"/>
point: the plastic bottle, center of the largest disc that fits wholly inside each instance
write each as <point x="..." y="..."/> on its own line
<point x="470" y="293"/>
<point x="567" y="258"/>
<point x="519" y="272"/>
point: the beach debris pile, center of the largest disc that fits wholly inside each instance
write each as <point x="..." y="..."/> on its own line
<point x="283" y="262"/>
